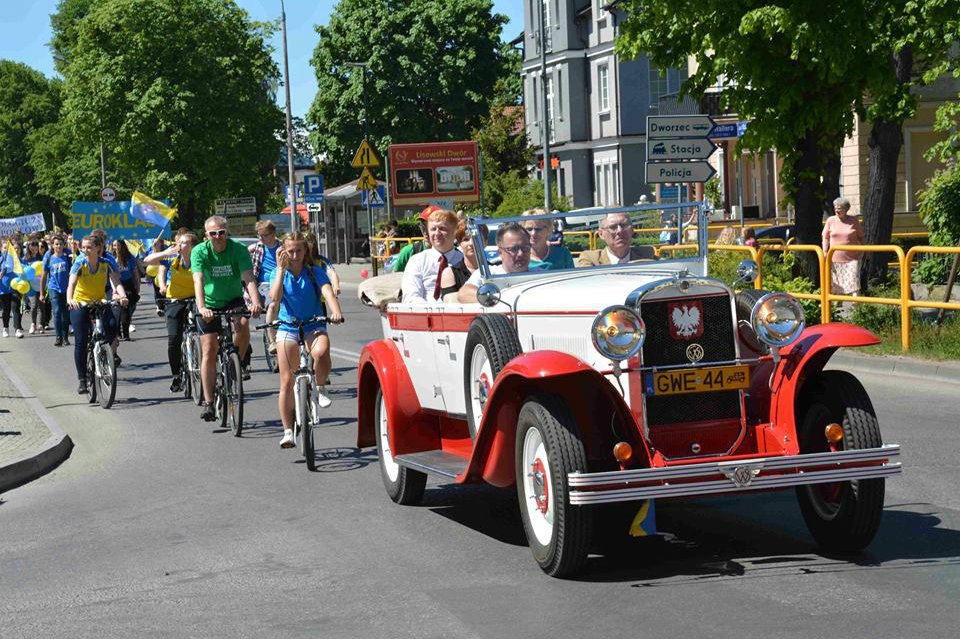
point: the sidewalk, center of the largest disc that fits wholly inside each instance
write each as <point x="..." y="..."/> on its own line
<point x="31" y="442"/>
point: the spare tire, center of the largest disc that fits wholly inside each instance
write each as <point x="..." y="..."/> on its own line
<point x="492" y="342"/>
<point x="745" y="301"/>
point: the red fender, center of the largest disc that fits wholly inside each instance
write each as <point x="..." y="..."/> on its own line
<point x="805" y="357"/>
<point x="528" y="374"/>
<point x="381" y="365"/>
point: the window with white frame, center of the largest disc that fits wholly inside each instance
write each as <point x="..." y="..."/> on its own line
<point x="603" y="86"/>
<point x="551" y="108"/>
<point x="606" y="176"/>
<point x="658" y="84"/>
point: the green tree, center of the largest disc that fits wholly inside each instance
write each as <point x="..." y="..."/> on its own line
<point x="789" y="69"/>
<point x="28" y="102"/>
<point x="65" y="25"/>
<point x="181" y="94"/>
<point x="433" y="66"/>
<point x="522" y="193"/>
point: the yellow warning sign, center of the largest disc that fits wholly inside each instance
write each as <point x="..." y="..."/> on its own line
<point x="365" y="156"/>
<point x="366" y="182"/>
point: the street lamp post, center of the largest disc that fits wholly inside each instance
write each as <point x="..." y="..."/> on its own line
<point x="545" y="129"/>
<point x="366" y="136"/>
<point x="294" y="219"/>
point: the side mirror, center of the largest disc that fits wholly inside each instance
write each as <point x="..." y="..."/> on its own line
<point x="747" y="271"/>
<point x="488" y="294"/>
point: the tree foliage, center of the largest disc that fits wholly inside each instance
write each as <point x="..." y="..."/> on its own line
<point x="432" y="69"/>
<point x="28" y="101"/>
<point x="180" y="93"/>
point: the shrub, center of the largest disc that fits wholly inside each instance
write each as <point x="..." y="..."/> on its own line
<point x="940" y="211"/>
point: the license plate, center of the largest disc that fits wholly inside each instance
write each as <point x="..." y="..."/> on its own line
<point x="667" y="383"/>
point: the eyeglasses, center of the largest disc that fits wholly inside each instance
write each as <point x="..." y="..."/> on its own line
<point x="217" y="233"/>
<point x="516" y="249"/>
<point x="623" y="226"/>
<point x="535" y="229"/>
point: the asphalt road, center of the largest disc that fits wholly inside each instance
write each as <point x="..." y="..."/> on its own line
<point x="159" y="525"/>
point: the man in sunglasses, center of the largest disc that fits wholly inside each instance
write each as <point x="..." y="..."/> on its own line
<point x="616" y="231"/>
<point x="221" y="270"/>
<point x="513" y="245"/>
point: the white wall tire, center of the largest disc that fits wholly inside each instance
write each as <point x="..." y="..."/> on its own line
<point x="403" y="485"/>
<point x="548" y="448"/>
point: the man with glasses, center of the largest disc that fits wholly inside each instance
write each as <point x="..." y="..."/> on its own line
<point x="263" y="256"/>
<point x="616" y="231"/>
<point x="513" y="245"/>
<point x="221" y="269"/>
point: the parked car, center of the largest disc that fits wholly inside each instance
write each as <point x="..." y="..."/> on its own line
<point x="780" y="232"/>
<point x="597" y="391"/>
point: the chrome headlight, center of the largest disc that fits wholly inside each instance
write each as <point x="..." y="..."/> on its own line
<point x="618" y="332"/>
<point x="778" y="319"/>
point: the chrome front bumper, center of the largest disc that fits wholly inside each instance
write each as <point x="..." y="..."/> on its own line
<point x="753" y="474"/>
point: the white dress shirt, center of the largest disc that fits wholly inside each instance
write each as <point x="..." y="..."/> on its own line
<point x="420" y="276"/>
<point x="616" y="260"/>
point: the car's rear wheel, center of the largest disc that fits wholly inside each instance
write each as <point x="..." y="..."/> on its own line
<point x="491" y="343"/>
<point x="841" y="516"/>
<point x="549" y="447"/>
<point x="403" y="485"/>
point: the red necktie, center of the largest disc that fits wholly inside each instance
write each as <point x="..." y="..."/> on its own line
<point x="436" y="287"/>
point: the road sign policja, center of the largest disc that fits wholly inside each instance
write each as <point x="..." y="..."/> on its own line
<point x="660" y="172"/>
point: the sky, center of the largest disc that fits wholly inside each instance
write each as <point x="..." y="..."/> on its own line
<point x="25" y="32"/>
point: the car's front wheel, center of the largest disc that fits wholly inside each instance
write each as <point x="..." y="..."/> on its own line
<point x="403" y="485"/>
<point x="841" y="516"/>
<point x="549" y="447"/>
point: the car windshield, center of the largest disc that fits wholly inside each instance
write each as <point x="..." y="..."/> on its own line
<point x="544" y="243"/>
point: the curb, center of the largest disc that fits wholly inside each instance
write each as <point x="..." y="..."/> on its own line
<point x="54" y="450"/>
<point x="900" y="366"/>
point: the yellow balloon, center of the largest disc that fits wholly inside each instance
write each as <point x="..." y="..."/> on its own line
<point x="20" y="285"/>
<point x="153" y="270"/>
<point x="38" y="267"/>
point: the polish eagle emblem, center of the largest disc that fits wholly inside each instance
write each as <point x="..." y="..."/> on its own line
<point x="686" y="320"/>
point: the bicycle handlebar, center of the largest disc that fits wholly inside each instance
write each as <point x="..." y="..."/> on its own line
<point x="229" y="313"/>
<point x="293" y="323"/>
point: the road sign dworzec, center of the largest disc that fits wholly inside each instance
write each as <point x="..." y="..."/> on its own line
<point x="677" y="148"/>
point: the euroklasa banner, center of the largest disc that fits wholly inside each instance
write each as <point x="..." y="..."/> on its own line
<point x="23" y="224"/>
<point x="114" y="218"/>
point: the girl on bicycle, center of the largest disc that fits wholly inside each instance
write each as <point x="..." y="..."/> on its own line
<point x="130" y="279"/>
<point x="300" y="288"/>
<point x="176" y="282"/>
<point x="88" y="283"/>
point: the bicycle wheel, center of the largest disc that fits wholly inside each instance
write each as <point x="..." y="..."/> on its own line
<point x="185" y="379"/>
<point x="304" y="422"/>
<point x="106" y="376"/>
<point x="91" y="376"/>
<point x="271" y="358"/>
<point x="196" y="384"/>
<point x="220" y="396"/>
<point x="234" y="394"/>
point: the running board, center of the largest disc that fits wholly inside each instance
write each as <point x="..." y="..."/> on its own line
<point x="436" y="462"/>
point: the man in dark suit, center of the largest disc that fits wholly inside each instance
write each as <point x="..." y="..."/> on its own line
<point x="616" y="231"/>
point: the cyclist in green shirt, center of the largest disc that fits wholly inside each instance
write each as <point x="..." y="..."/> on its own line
<point x="221" y="270"/>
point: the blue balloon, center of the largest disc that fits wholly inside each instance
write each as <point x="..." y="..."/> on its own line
<point x="7" y="279"/>
<point x="28" y="273"/>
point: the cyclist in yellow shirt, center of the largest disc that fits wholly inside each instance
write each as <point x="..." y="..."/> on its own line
<point x="88" y="283"/>
<point x="176" y="283"/>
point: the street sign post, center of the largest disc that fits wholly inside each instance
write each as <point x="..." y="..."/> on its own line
<point x="679" y="149"/>
<point x="365" y="157"/>
<point x="660" y="172"/>
<point x="366" y="181"/>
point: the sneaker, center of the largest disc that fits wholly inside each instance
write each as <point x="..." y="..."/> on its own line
<point x="33" y="328"/>
<point x="176" y="385"/>
<point x="42" y="330"/>
<point x="71" y="330"/>
<point x="286" y="442"/>
<point x="19" y="333"/>
<point x="272" y="348"/>
<point x="66" y="342"/>
<point x="208" y="414"/>
<point x="58" y="342"/>
<point x="82" y="388"/>
<point x="246" y="372"/>
<point x="159" y="312"/>
<point x="322" y="400"/>
<point x="133" y="328"/>
<point x="6" y="334"/>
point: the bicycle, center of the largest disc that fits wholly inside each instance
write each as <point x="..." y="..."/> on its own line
<point x="305" y="391"/>
<point x="101" y="366"/>
<point x="271" y="358"/>
<point x="228" y="395"/>
<point x="189" y="379"/>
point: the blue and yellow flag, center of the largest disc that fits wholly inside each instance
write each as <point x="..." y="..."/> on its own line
<point x="149" y="210"/>
<point x="14" y="258"/>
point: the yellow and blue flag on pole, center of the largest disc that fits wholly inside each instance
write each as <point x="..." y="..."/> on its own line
<point x="149" y="210"/>
<point x="17" y="265"/>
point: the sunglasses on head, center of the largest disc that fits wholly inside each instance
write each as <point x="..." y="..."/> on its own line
<point x="216" y="233"/>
